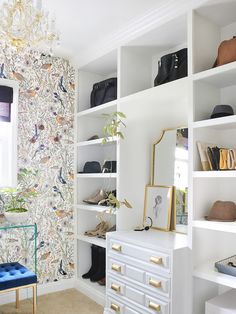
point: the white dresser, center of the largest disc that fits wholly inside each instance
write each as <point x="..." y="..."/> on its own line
<point x="147" y="272"/>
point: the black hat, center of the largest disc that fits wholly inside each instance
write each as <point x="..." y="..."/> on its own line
<point x="222" y="111"/>
<point x="92" y="167"/>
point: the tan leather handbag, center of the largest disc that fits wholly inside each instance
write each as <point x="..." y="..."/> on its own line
<point x="226" y="52"/>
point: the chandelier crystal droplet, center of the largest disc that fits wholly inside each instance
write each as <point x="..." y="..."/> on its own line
<point x="24" y="25"/>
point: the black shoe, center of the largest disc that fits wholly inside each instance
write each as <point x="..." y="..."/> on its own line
<point x="100" y="273"/>
<point x="94" y="259"/>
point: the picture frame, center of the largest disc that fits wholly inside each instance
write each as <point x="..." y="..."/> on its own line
<point x="158" y="205"/>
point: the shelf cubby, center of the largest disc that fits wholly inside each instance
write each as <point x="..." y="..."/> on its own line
<point x="206" y="191"/>
<point x="212" y="24"/>
<point x="139" y="59"/>
<point x="214" y="90"/>
<point x="94" y="72"/>
<point x="216" y="136"/>
<point x="92" y="240"/>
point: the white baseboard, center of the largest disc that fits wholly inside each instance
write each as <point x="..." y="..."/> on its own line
<point x="51" y="287"/>
<point x="90" y="292"/>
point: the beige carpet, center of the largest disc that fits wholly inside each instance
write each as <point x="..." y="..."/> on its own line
<point x="65" y="302"/>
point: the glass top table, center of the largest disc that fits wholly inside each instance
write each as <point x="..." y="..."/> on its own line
<point x="6" y="225"/>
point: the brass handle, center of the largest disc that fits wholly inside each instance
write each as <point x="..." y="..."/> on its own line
<point x="116" y="247"/>
<point x="116" y="268"/>
<point x="115" y="287"/>
<point x="156" y="260"/>
<point x="155" y="283"/>
<point x="115" y="307"/>
<point x="154" y="306"/>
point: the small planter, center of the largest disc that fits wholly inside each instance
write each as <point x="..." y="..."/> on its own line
<point x="16" y="215"/>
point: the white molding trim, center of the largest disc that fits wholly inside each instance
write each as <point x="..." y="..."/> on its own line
<point x="90" y="293"/>
<point x="165" y="12"/>
<point x="51" y="287"/>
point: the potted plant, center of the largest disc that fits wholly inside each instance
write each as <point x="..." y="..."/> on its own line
<point x="16" y="199"/>
<point x="112" y="128"/>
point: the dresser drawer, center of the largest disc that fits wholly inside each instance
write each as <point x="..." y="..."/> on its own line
<point x="155" y="305"/>
<point x="158" y="284"/>
<point x="117" y="288"/>
<point x="126" y="305"/>
<point x="159" y="259"/>
<point x="121" y="269"/>
<point x="116" y="307"/>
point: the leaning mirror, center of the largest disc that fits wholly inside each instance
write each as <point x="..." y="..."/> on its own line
<point x="170" y="168"/>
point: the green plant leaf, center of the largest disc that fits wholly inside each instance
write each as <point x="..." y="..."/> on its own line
<point x="121" y="114"/>
<point x="120" y="134"/>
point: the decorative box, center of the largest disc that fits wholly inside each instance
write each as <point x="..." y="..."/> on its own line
<point x="223" y="266"/>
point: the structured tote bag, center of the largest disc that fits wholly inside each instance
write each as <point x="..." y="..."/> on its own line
<point x="226" y="52"/>
<point x="103" y="92"/>
<point x="172" y="67"/>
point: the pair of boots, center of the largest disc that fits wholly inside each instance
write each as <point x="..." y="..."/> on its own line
<point x="97" y="270"/>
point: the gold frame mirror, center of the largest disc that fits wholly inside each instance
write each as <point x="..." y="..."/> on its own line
<point x="170" y="168"/>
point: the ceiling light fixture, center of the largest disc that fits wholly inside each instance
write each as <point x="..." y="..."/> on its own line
<point x="24" y="25"/>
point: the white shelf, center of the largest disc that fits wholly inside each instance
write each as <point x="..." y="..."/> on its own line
<point x="215" y="225"/>
<point x="218" y="123"/>
<point x="110" y="140"/>
<point x="207" y="271"/>
<point x="92" y="240"/>
<point x="165" y="93"/>
<point x="99" y="110"/>
<point x="97" y="208"/>
<point x="221" y="76"/>
<point x="96" y="175"/>
<point x="215" y="174"/>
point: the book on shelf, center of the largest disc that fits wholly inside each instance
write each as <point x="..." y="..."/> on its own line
<point x="204" y="156"/>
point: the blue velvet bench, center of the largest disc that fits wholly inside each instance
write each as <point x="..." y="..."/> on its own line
<point x="13" y="277"/>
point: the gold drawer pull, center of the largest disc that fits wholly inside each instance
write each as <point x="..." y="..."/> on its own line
<point x="155" y="283"/>
<point x="116" y="247"/>
<point x="154" y="306"/>
<point x="115" y="287"/>
<point x="116" y="268"/>
<point x="156" y="260"/>
<point x="115" y="307"/>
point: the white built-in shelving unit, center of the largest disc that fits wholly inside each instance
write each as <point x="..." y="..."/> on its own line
<point x="211" y="241"/>
<point x="149" y="110"/>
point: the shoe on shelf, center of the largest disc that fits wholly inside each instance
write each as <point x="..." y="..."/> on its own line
<point x="102" y="282"/>
<point x="103" y="235"/>
<point x="101" y="271"/>
<point x="94" y="262"/>
<point x="95" y="199"/>
<point x="94" y="137"/>
<point x="102" y="230"/>
<point x="106" y="202"/>
<point x="99" y="229"/>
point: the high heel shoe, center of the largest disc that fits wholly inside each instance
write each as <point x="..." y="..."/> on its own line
<point x="95" y="199"/>
<point x="100" y="228"/>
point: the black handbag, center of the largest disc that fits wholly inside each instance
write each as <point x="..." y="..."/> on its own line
<point x="172" y="67"/>
<point x="109" y="166"/>
<point x="103" y="92"/>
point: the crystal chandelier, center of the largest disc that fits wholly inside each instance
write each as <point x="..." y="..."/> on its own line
<point x="24" y="25"/>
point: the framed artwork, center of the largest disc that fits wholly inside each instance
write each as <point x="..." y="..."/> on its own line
<point x="158" y="205"/>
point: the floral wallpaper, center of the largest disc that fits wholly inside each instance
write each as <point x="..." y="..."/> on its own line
<point x="45" y="147"/>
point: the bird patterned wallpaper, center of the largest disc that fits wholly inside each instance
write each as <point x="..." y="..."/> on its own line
<point x="45" y="147"/>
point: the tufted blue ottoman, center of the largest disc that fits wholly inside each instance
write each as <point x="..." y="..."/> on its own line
<point x="14" y="276"/>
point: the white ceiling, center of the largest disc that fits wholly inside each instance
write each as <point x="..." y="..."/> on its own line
<point x="82" y="22"/>
<point x="87" y="24"/>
